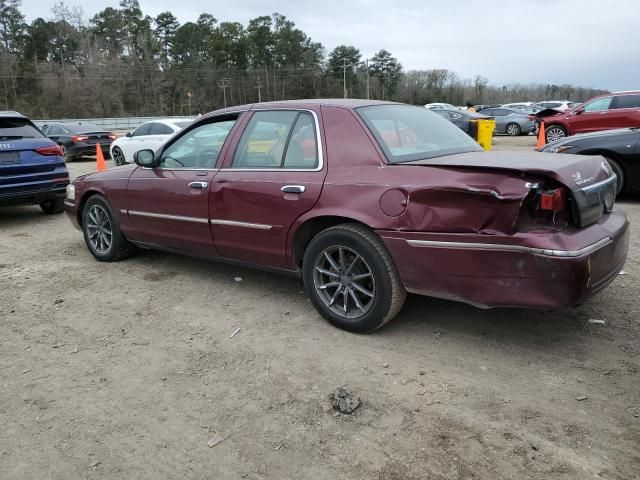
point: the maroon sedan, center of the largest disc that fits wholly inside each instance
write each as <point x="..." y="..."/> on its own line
<point x="365" y="201"/>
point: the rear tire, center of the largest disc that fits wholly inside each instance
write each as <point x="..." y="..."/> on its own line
<point x="51" y="207"/>
<point x="617" y="169"/>
<point x="554" y="133"/>
<point x="118" y="157"/>
<point x="102" y="232"/>
<point x="513" y="129"/>
<point x="351" y="279"/>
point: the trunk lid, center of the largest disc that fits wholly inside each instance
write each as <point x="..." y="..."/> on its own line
<point x="589" y="178"/>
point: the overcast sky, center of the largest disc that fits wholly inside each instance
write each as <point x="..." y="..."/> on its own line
<point x="593" y="43"/>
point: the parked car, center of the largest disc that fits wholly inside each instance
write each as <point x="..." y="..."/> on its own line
<point x="511" y="122"/>
<point x="77" y="139"/>
<point x="149" y="135"/>
<point x="32" y="168"/>
<point x="365" y="201"/>
<point x="621" y="148"/>
<point x="440" y="106"/>
<point x="517" y="105"/>
<point x="605" y="112"/>
<point x="531" y="109"/>
<point x="461" y="119"/>
<point x="560" y="105"/>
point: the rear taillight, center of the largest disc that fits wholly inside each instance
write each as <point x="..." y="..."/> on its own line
<point x="53" y="150"/>
<point x="112" y="137"/>
<point x="553" y="200"/>
<point x="79" y="138"/>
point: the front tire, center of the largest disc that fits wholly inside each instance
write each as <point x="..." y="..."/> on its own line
<point x="51" y="207"/>
<point x="102" y="232"/>
<point x="118" y="157"/>
<point x="554" y="133"/>
<point x="617" y="169"/>
<point x="351" y="279"/>
<point x="513" y="129"/>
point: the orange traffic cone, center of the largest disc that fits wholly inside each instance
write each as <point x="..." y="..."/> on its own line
<point x="542" y="141"/>
<point x="101" y="166"/>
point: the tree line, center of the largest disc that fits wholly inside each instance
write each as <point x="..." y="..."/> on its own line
<point x="121" y="62"/>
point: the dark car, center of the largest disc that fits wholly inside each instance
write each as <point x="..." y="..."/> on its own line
<point x="364" y="201"/>
<point x="32" y="168"/>
<point x="461" y="118"/>
<point x="621" y="148"/>
<point x="79" y="139"/>
<point x="606" y="112"/>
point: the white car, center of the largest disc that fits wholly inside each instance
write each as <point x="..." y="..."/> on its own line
<point x="148" y="135"/>
<point x="560" y="105"/>
<point x="439" y="106"/>
<point x="517" y="105"/>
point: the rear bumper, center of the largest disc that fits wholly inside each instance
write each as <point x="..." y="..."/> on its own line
<point x="80" y="149"/>
<point x="481" y="271"/>
<point x="30" y="197"/>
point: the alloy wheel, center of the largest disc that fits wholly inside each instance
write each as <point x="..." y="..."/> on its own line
<point x="513" y="130"/>
<point x="118" y="157"/>
<point x="554" y="134"/>
<point x="99" y="230"/>
<point x="344" y="282"/>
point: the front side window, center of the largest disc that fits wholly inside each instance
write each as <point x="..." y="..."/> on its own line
<point x="598" y="105"/>
<point x="198" y="148"/>
<point x="278" y="139"/>
<point x="408" y="133"/>
<point x="628" y="101"/>
<point x="141" y="130"/>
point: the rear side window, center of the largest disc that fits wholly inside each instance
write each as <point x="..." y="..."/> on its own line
<point x="278" y="139"/>
<point x="628" y="101"/>
<point x="17" y="128"/>
<point x="160" y="129"/>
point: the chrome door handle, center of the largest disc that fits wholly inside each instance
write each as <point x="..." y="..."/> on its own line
<point x="293" y="189"/>
<point x="198" y="185"/>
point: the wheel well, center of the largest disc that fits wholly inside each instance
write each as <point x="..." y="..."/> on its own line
<point x="85" y="198"/>
<point x="608" y="155"/>
<point x="310" y="229"/>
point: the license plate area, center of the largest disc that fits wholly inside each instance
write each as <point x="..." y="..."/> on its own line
<point x="9" y="158"/>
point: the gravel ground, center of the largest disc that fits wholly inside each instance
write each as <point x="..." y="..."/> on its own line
<point x="128" y="370"/>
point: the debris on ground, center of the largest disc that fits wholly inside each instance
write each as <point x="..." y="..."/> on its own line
<point x="58" y="301"/>
<point x="385" y="365"/>
<point x="238" y="279"/>
<point x="581" y="398"/>
<point x="95" y="464"/>
<point x="622" y="272"/>
<point x="141" y="342"/>
<point x="596" y="321"/>
<point x="216" y="439"/>
<point x="234" y="332"/>
<point x="345" y="401"/>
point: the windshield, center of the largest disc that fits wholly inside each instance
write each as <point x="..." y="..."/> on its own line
<point x="17" y="128"/>
<point x="407" y="133"/>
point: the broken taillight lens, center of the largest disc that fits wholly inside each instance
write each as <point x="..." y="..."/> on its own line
<point x="553" y="200"/>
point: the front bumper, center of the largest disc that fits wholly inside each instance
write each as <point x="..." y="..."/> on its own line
<point x="521" y="271"/>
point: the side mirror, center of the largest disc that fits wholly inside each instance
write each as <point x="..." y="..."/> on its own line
<point x="129" y="134"/>
<point x="145" y="158"/>
<point x="579" y="111"/>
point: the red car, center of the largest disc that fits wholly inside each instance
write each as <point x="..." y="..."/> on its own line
<point x="389" y="199"/>
<point x="613" y="110"/>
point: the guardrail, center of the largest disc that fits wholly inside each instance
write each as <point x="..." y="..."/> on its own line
<point x="122" y="123"/>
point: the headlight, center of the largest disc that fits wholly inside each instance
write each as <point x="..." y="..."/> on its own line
<point x="558" y="148"/>
<point x="71" y="192"/>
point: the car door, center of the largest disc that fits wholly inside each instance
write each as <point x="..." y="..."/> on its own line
<point x="593" y="116"/>
<point x="169" y="205"/>
<point x="274" y="175"/>
<point x="131" y="144"/>
<point x="625" y="111"/>
<point x="500" y="116"/>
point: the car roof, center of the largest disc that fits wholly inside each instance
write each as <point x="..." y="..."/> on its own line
<point x="626" y="92"/>
<point x="11" y="114"/>
<point x="167" y="121"/>
<point x="349" y="103"/>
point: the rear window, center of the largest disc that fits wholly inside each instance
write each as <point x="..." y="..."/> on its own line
<point x="408" y="133"/>
<point x="17" y="128"/>
<point x="628" y="101"/>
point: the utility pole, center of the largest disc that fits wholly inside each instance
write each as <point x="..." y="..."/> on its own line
<point x="344" y="76"/>
<point x="224" y="84"/>
<point x="259" y="87"/>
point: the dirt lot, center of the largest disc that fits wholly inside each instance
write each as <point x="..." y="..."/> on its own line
<point x="127" y="371"/>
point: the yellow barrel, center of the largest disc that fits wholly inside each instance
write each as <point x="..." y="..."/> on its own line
<point x="485" y="132"/>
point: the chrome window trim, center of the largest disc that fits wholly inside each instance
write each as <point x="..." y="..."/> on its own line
<point x="165" y="216"/>
<point x="233" y="223"/>
<point x="318" y="141"/>
<point x="612" y="178"/>
<point x="177" y="169"/>
<point x="513" y="248"/>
